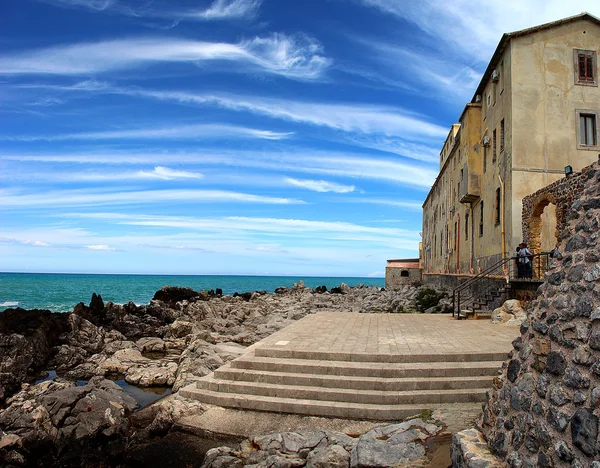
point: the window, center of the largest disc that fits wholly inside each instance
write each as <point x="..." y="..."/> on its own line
<point x="498" y="204"/>
<point x="404" y="273"/>
<point x="489" y="99"/>
<point x="467" y="226"/>
<point x="587" y="129"/>
<point x="585" y="62"/>
<point x="481" y="219"/>
<point x="494" y="141"/>
<point x="502" y="77"/>
<point x="502" y="135"/>
<point x="455" y="235"/>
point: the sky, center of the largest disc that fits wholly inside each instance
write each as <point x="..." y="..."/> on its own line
<point x="249" y="137"/>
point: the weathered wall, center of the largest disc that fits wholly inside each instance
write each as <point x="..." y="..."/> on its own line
<point x="394" y="278"/>
<point x="545" y="408"/>
<point x="545" y="101"/>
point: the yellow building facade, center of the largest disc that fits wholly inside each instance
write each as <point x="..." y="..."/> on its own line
<point x="535" y="111"/>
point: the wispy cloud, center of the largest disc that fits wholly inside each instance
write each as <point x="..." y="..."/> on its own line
<point x="425" y="68"/>
<point x="475" y="28"/>
<point x="34" y="243"/>
<point x="329" y="163"/>
<point x="103" y="247"/>
<point x="382" y="127"/>
<point x="218" y="10"/>
<point x="348" y="117"/>
<point x="183" y="132"/>
<point x="410" y="205"/>
<point x="320" y="185"/>
<point x="298" y="57"/>
<point x="12" y="199"/>
<point x="286" y="227"/>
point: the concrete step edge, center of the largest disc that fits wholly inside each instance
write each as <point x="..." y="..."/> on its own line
<point x="263" y="351"/>
<point x="252" y="389"/>
<point x="304" y="407"/>
<point x="354" y="382"/>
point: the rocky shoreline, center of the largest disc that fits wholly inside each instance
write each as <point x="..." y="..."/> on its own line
<point x="83" y="418"/>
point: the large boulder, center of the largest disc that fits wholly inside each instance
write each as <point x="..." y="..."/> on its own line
<point x="26" y="341"/>
<point x="511" y="313"/>
<point x="59" y="424"/>
<point x="173" y="294"/>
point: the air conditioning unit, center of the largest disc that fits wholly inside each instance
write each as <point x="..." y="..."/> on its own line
<point x="486" y="141"/>
<point x="495" y="75"/>
<point x="478" y="98"/>
<point x="449" y="251"/>
<point x="451" y="209"/>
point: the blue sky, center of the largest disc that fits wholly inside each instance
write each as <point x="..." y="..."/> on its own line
<point x="277" y="137"/>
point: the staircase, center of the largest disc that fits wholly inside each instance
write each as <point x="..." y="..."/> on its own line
<point x="479" y="295"/>
<point x="382" y="387"/>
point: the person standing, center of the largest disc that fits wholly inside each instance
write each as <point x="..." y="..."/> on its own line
<point x="525" y="258"/>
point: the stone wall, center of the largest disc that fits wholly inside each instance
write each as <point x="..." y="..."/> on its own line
<point x="545" y="408"/>
<point x="394" y="277"/>
<point x="562" y="194"/>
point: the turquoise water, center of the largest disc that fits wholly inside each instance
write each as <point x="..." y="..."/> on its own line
<point x="60" y="292"/>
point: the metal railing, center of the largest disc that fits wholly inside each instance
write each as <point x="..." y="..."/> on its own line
<point x="485" y="287"/>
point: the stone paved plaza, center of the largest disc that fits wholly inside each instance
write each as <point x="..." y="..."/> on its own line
<point x="346" y="332"/>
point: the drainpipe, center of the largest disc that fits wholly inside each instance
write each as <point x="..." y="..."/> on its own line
<point x="472" y="246"/>
<point x="502" y="224"/>
<point x="458" y="243"/>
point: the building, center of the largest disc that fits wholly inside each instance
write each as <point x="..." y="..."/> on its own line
<point x="401" y="272"/>
<point x="535" y="111"/>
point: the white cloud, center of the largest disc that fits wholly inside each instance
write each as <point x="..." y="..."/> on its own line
<point x="244" y="227"/>
<point x="165" y="173"/>
<point x="411" y="205"/>
<point x="353" y="165"/>
<point x="348" y="117"/>
<point x="296" y="57"/>
<point x="218" y="10"/>
<point x="100" y="247"/>
<point x="320" y="185"/>
<point x="385" y="128"/>
<point x="183" y="132"/>
<point x="225" y="9"/>
<point x="36" y="243"/>
<point x="475" y="28"/>
<point x="91" y="198"/>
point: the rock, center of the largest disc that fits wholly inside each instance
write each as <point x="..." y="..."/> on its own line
<point x="181" y="328"/>
<point x="584" y="431"/>
<point x="469" y="450"/>
<point x="26" y="340"/>
<point x="172" y="294"/>
<point x="332" y="456"/>
<point x="510" y="313"/>
<point x="556" y="363"/>
<point x="150" y="344"/>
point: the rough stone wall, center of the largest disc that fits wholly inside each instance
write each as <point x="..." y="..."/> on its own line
<point x="545" y="408"/>
<point x="394" y="278"/>
<point x="562" y="194"/>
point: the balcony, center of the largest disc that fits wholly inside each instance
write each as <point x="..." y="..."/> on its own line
<point x="470" y="190"/>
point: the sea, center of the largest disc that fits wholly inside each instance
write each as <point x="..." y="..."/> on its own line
<point x="61" y="292"/>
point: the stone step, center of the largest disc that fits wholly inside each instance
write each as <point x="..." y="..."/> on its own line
<point x="329" y="409"/>
<point x="371" y="397"/>
<point x="358" y="383"/>
<point x="376" y="357"/>
<point x="361" y="369"/>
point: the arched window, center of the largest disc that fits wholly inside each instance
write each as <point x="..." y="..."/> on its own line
<point x="481" y="219"/>
<point x="404" y="273"/>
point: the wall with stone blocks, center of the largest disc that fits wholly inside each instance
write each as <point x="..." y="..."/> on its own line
<point x="394" y="278"/>
<point x="545" y="408"/>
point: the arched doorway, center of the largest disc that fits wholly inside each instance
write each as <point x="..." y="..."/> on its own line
<point x="543" y="232"/>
